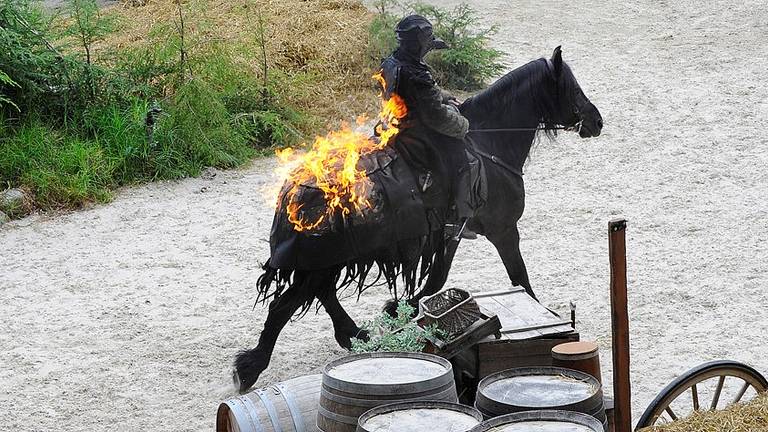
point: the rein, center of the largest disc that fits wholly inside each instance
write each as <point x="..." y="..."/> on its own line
<point x="495" y="159"/>
<point x="575" y="128"/>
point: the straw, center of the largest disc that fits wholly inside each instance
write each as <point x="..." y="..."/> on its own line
<point x="743" y="417"/>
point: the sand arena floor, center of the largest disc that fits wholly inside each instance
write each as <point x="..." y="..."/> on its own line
<point x="126" y="316"/>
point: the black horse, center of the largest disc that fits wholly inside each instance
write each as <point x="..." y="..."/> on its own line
<point x="542" y="95"/>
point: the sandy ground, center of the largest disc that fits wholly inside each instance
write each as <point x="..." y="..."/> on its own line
<point x="126" y="316"/>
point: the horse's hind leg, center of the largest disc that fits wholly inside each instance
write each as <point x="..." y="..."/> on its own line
<point x="249" y="364"/>
<point x="508" y="246"/>
<point x="434" y="283"/>
<point x="344" y="326"/>
<point x="435" y="280"/>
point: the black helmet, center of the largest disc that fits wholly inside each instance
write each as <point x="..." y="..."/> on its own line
<point x="414" y="34"/>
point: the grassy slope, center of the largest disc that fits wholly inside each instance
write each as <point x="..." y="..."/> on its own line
<point x="318" y="66"/>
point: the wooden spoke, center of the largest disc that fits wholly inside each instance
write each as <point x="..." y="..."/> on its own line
<point x="719" y="389"/>
<point x="741" y="392"/>
<point x="695" y="396"/>
<point x="671" y="413"/>
<point x="660" y="409"/>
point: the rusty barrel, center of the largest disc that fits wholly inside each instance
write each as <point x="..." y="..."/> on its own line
<point x="419" y="416"/>
<point x="355" y="384"/>
<point x="540" y="388"/>
<point x="581" y="356"/>
<point x="288" y="406"/>
<point x="541" y="421"/>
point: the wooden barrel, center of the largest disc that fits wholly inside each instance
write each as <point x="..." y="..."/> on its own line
<point x="542" y="388"/>
<point x="419" y="416"/>
<point x="581" y="356"/>
<point x="289" y="406"/>
<point x="353" y="385"/>
<point x="541" y="421"/>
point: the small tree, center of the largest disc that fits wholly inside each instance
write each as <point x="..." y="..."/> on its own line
<point x="88" y="27"/>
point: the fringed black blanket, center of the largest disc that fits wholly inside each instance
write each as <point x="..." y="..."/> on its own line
<point x="397" y="238"/>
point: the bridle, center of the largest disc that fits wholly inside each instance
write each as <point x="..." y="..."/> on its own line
<point x="576" y="127"/>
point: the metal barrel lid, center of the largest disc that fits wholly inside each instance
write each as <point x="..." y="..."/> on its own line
<point x="476" y="416"/>
<point x="557" y="420"/>
<point x="441" y="376"/>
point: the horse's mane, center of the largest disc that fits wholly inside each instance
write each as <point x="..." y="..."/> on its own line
<point x="527" y="81"/>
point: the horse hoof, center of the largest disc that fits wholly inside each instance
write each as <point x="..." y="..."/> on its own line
<point x="248" y="366"/>
<point x="345" y="339"/>
<point x="236" y="381"/>
<point x="390" y="308"/>
<point x="363" y="335"/>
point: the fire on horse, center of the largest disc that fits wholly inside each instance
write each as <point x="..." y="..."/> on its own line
<point x="542" y="95"/>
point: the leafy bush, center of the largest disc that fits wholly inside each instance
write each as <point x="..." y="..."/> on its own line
<point x="398" y="334"/>
<point x="468" y="62"/>
<point x="26" y="56"/>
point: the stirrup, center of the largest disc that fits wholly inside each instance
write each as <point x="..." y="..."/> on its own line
<point x="460" y="231"/>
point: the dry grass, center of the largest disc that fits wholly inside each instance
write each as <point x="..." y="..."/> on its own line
<point x="320" y="43"/>
<point x="747" y="417"/>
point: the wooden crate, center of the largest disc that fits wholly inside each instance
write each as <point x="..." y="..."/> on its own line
<point x="528" y="333"/>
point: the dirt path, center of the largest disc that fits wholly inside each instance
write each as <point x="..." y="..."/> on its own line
<point x="126" y="315"/>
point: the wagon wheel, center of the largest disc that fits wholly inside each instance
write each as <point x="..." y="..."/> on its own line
<point x="688" y="388"/>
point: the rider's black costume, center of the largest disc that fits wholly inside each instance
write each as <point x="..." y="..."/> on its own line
<point x="431" y="136"/>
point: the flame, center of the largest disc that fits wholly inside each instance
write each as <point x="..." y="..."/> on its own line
<point x="331" y="165"/>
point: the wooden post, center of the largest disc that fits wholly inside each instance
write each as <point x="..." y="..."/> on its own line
<point x="620" y="324"/>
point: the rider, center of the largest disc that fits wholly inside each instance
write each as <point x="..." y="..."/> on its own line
<point x="431" y="137"/>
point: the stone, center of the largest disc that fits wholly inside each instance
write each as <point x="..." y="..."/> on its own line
<point x="4" y="218"/>
<point x="12" y="202"/>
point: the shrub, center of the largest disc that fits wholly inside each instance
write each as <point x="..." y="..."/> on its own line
<point x="197" y="133"/>
<point x="398" y="334"/>
<point x="468" y="62"/>
<point x="26" y="57"/>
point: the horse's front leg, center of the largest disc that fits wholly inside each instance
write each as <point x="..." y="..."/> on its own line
<point x="344" y="326"/>
<point x="507" y="244"/>
<point x="249" y="364"/>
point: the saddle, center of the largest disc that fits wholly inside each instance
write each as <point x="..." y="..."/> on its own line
<point x="404" y="207"/>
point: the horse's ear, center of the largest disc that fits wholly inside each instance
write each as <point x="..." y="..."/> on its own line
<point x="557" y="60"/>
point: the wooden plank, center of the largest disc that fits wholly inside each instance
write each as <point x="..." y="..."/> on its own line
<point x="541" y="326"/>
<point x="547" y="331"/>
<point x="521" y="316"/>
<point x="478" y="331"/>
<point x="507" y="312"/>
<point x="514" y="290"/>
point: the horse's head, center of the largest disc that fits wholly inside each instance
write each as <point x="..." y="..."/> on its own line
<point x="572" y="108"/>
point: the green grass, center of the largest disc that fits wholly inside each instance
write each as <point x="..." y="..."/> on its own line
<point x="61" y="170"/>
